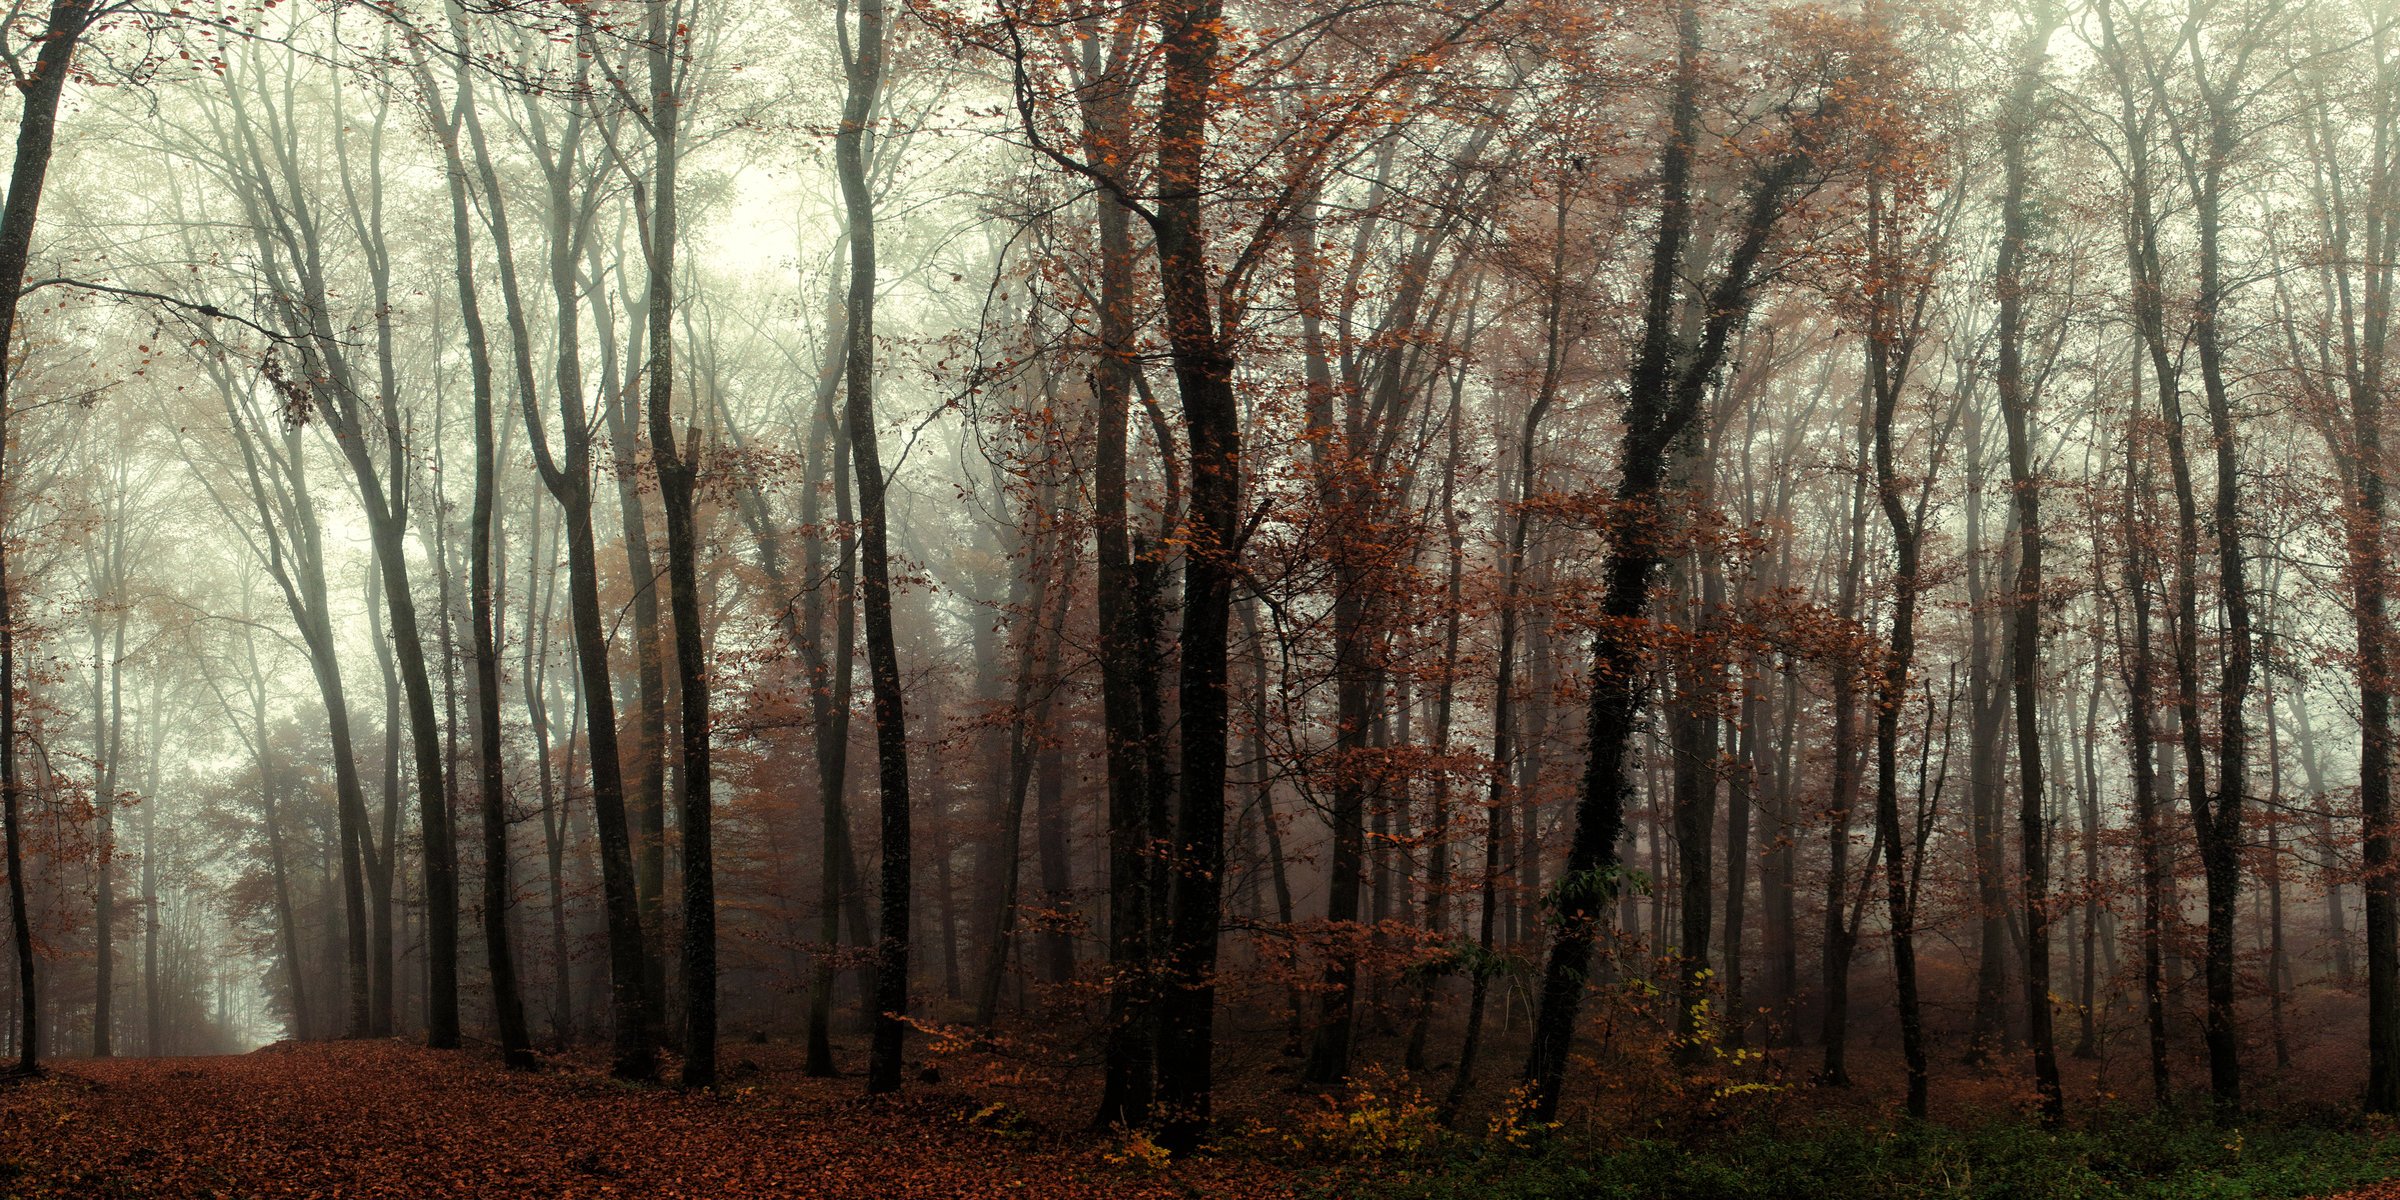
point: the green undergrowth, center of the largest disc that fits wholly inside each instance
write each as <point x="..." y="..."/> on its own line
<point x="2109" y="1156"/>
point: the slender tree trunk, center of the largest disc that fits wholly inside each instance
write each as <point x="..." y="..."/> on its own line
<point x="635" y="1049"/>
<point x="104" y="941"/>
<point x="829" y="712"/>
<point x="516" y="1047"/>
<point x="2143" y="740"/>
<point x="1498" y="801"/>
<point x="2087" y="1042"/>
<point x="2026" y="606"/>
<point x="646" y="786"/>
<point x="154" y="1036"/>
<point x="2366" y="327"/>
<point x="1437" y="838"/>
<point x="2218" y="818"/>
<point x="678" y="480"/>
<point x="1841" y="933"/>
<point x="1887" y="373"/>
<point x="865" y="68"/>
<point x="1987" y="752"/>
<point x="1037" y="684"/>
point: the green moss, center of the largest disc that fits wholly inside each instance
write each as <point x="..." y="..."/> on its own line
<point x="2117" y="1156"/>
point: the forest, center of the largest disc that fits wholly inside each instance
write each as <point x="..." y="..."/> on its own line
<point x="1300" y="598"/>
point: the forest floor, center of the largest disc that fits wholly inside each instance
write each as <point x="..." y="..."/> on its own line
<point x="391" y="1119"/>
<point x="386" y="1119"/>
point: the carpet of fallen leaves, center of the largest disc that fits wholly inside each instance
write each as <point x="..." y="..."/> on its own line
<point x="386" y="1119"/>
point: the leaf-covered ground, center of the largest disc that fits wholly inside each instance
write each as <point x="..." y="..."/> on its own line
<point x="384" y="1119"/>
<point x="389" y="1119"/>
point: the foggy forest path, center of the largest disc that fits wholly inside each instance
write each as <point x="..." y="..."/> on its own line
<point x="385" y="1119"/>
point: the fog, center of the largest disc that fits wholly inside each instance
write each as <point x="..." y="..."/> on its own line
<point x="1210" y="547"/>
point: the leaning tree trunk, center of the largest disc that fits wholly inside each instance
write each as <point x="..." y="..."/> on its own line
<point x="1666" y="387"/>
<point x="36" y="132"/>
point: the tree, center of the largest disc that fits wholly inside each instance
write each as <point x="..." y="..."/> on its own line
<point x="491" y="773"/>
<point x="1665" y="386"/>
<point x="37" y="132"/>
<point x="2024" y="661"/>
<point x="863" y="59"/>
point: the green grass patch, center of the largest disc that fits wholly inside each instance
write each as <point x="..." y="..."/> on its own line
<point x="2128" y="1156"/>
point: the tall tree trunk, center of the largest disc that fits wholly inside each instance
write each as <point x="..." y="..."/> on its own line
<point x="1666" y="386"/>
<point x="678" y="480"/>
<point x="1694" y="739"/>
<point x="383" y="956"/>
<point x="154" y="1034"/>
<point x="1128" y="687"/>
<point x="1437" y="834"/>
<point x="646" y="784"/>
<point x="2218" y="818"/>
<point x="109" y="581"/>
<point x="1337" y="510"/>
<point x="516" y="1048"/>
<point x="864" y="61"/>
<point x="829" y="701"/>
<point x="1498" y="801"/>
<point x="1841" y="932"/>
<point x="2365" y="319"/>
<point x="1744" y="754"/>
<point x="569" y="480"/>
<point x="534" y="675"/>
<point x="36" y="132"/>
<point x="2143" y="744"/>
<point x="1037" y="684"/>
<point x="2025" y="607"/>
<point x="1190" y="32"/>
<point x="2087" y="1042"/>
<point x="1890" y="340"/>
<point x="1987" y="752"/>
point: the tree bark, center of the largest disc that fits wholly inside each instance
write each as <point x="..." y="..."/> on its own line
<point x="36" y="133"/>
<point x="864" y="61"/>
<point x="2025" y="607"/>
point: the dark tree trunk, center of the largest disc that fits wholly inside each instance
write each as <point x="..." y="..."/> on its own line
<point x="1665" y="389"/>
<point x="516" y="1048"/>
<point x="36" y="133"/>
<point x="2025" y="607"/>
<point x="1189" y="33"/>
<point x="1841" y="931"/>
<point x="635" y="1048"/>
<point x="865" y="69"/>
<point x="1891" y="341"/>
<point x="678" y="481"/>
<point x="1128" y="689"/>
<point x="2218" y="819"/>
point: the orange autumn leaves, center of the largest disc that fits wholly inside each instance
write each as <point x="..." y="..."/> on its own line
<point x="384" y="1119"/>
